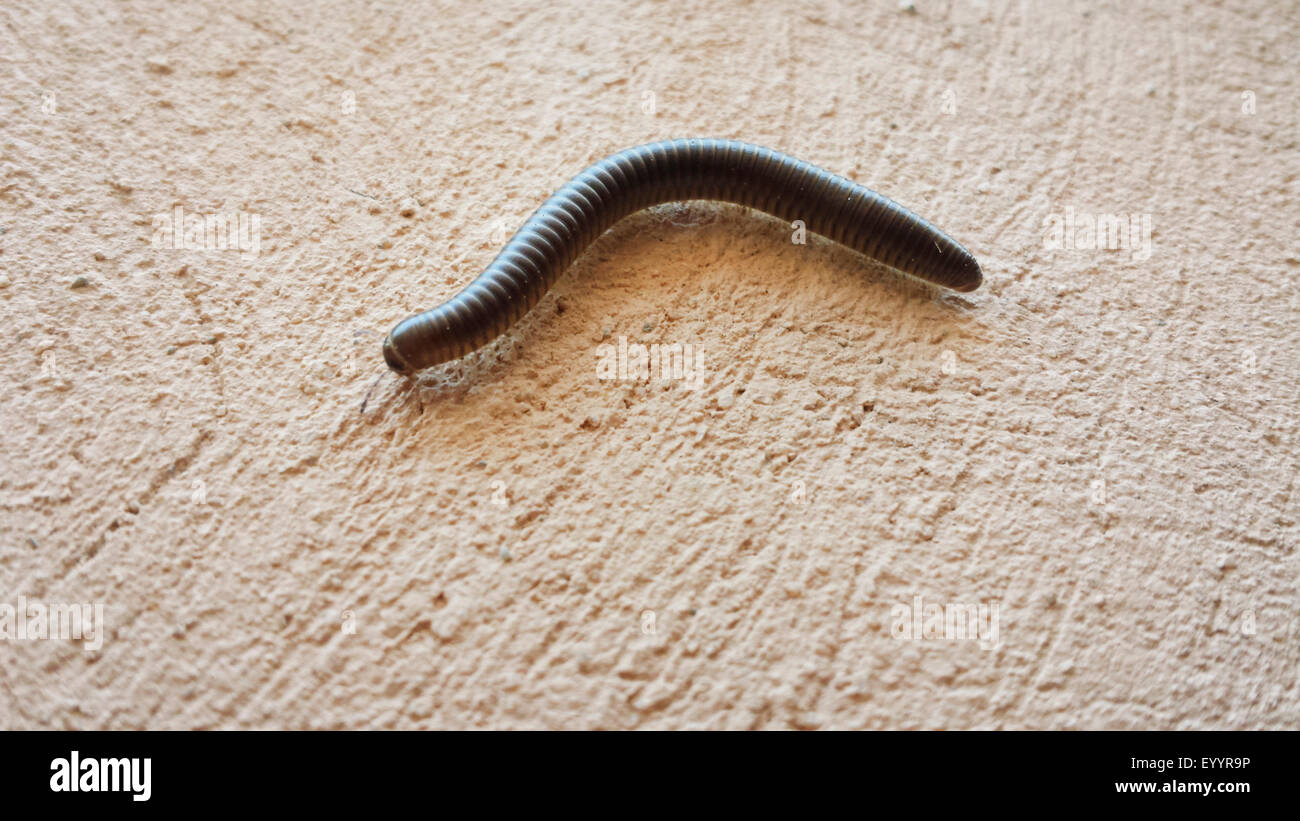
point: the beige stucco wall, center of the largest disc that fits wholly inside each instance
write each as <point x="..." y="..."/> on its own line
<point x="1101" y="444"/>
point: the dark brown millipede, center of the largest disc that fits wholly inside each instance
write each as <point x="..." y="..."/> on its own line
<point x="695" y="169"/>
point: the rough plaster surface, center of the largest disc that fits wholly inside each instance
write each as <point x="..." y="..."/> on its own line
<point x="1103" y="446"/>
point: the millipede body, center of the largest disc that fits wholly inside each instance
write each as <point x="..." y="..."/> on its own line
<point x="694" y="169"/>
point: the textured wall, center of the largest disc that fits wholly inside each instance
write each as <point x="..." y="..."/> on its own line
<point x="1100" y="444"/>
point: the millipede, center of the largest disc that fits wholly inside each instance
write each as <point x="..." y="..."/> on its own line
<point x="653" y="174"/>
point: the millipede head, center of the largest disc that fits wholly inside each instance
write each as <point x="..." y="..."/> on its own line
<point x="394" y="359"/>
